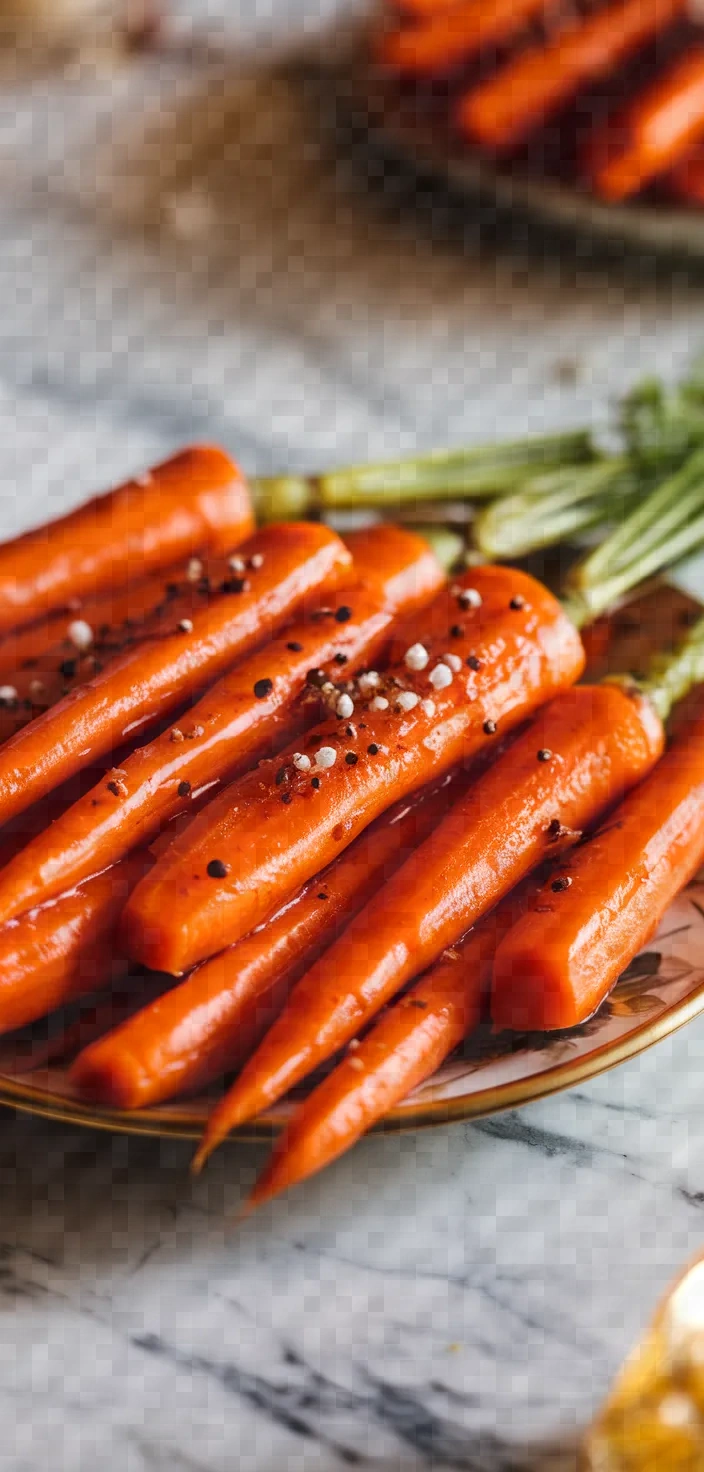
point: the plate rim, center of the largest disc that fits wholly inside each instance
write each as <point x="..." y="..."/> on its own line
<point x="45" y="1104"/>
<point x="367" y="100"/>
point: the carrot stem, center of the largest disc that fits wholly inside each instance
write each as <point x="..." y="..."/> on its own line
<point x="478" y="472"/>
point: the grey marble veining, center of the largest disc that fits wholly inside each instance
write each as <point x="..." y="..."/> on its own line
<point x="182" y="254"/>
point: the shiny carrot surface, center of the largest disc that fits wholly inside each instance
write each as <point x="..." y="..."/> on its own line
<point x="657" y="131"/>
<point x="64" y="949"/>
<point x="575" y="760"/>
<point x="451" y="37"/>
<point x="502" y="112"/>
<point x="253" y="709"/>
<point x="406" y="1046"/>
<point x="145" y="683"/>
<point x="213" y="1020"/>
<point x="510" y="647"/>
<point x="563" y="957"/>
<point x="194" y="501"/>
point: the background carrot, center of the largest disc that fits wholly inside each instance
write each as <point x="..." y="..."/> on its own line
<point x="211" y="1022"/>
<point x="252" y="711"/>
<point x="686" y="181"/>
<point x="501" y="112"/>
<point x="194" y="501"/>
<point x="560" y="961"/>
<point x="576" y="759"/>
<point x="147" y="682"/>
<point x="448" y="38"/>
<point x="512" y="647"/>
<point x="657" y="130"/>
<point x="66" y="948"/>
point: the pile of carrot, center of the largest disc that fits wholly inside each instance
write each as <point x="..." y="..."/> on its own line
<point x="620" y="84"/>
<point x="291" y="799"/>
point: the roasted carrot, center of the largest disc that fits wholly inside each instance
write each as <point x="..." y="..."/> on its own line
<point x="66" y="948"/>
<point x="211" y="1022"/>
<point x="576" y="759"/>
<point x="502" y="112"/>
<point x="262" y="838"/>
<point x="196" y="500"/>
<point x="406" y="1046"/>
<point x="449" y="38"/>
<point x="253" y="709"/>
<point x="145" y="683"/>
<point x="563" y="957"/>
<point x="658" y="130"/>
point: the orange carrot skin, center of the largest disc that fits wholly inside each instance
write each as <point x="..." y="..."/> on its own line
<point x="66" y="949"/>
<point x="451" y="37"/>
<point x="212" y="1021"/>
<point x="686" y="182"/>
<point x="503" y="111"/>
<point x="146" y="682"/>
<point x="657" y="131"/>
<point x="522" y="649"/>
<point x="195" y="500"/>
<point x="249" y="712"/>
<point x="559" y="962"/>
<point x="600" y="742"/>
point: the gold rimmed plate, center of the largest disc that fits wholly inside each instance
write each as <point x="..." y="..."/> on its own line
<point x="662" y="990"/>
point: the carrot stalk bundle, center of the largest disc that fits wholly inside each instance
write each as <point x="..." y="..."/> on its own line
<point x="252" y="709"/>
<point x="212" y="1021"/>
<point x="502" y="112"/>
<point x="449" y="38"/>
<point x="145" y="683"/>
<point x="512" y="648"/>
<point x="195" y="501"/>
<point x="657" y="131"/>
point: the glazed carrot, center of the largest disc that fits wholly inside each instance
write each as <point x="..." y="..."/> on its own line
<point x="146" y="682"/>
<point x="253" y="709"/>
<point x="211" y="1022"/>
<point x="512" y="648"/>
<point x="657" y="131"/>
<point x="449" y="38"/>
<point x="198" y="499"/>
<point x="501" y="112"/>
<point x="66" y="948"/>
<point x="52" y="657"/>
<point x="576" y="759"/>
<point x="559" y="962"/>
<point x="406" y="1046"/>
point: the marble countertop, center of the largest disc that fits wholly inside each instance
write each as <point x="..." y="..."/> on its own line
<point x="183" y="253"/>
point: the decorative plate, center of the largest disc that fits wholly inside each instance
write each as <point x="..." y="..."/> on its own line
<point x="374" y="107"/>
<point x="662" y="989"/>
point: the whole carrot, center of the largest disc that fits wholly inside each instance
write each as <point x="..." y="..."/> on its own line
<point x="496" y="646"/>
<point x="502" y="112"/>
<point x="657" y="131"/>
<point x="563" y="957"/>
<point x="253" y="709"/>
<point x="451" y="37"/>
<point x="146" y="682"/>
<point x="575" y="760"/>
<point x="64" y="949"/>
<point x="194" y="501"/>
<point x="213" y="1020"/>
